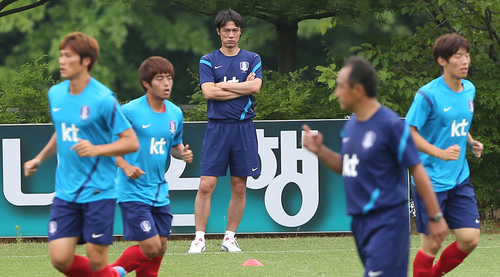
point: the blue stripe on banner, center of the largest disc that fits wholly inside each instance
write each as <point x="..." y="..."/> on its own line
<point x="256" y="67"/>
<point x="206" y="62"/>
<point x="373" y="199"/>
<point x="402" y="143"/>
<point x="426" y="98"/>
<point x="246" y="109"/>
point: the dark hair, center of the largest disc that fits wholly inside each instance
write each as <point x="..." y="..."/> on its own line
<point x="363" y="73"/>
<point x="229" y="15"/>
<point x="152" y="66"/>
<point x="82" y="44"/>
<point x="447" y="45"/>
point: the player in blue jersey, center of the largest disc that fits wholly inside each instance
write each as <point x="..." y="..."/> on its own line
<point x="376" y="151"/>
<point x="142" y="188"/>
<point x="86" y="119"/>
<point x="440" y="118"/>
<point x="229" y="77"/>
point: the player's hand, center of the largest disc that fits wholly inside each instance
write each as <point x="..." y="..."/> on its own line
<point x="133" y="172"/>
<point x="477" y="148"/>
<point x="312" y="140"/>
<point x="451" y="153"/>
<point x="31" y="166"/>
<point x="250" y="77"/>
<point x="85" y="149"/>
<point x="187" y="154"/>
<point x="437" y="231"/>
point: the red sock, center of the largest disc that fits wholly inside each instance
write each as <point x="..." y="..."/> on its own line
<point x="451" y="257"/>
<point x="149" y="268"/>
<point x="79" y="268"/>
<point x="131" y="259"/>
<point x="105" y="272"/>
<point x="422" y="264"/>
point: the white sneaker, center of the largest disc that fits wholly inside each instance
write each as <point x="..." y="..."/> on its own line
<point x="230" y="245"/>
<point x="197" y="246"/>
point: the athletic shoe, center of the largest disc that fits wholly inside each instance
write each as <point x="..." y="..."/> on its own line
<point x="197" y="246"/>
<point x="119" y="271"/>
<point x="230" y="245"/>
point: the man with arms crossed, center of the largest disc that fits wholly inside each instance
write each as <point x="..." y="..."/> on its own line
<point x="229" y="77"/>
<point x="86" y="118"/>
<point x="377" y="150"/>
<point x="142" y="188"/>
<point x="440" y="118"/>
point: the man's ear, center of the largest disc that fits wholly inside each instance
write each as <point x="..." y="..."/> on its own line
<point x="146" y="85"/>
<point x="359" y="91"/>
<point x="218" y="31"/>
<point x="442" y="62"/>
<point x="86" y="61"/>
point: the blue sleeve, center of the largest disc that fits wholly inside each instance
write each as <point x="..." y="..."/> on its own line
<point x="206" y="71"/>
<point x="178" y="134"/>
<point x="256" y="66"/>
<point x="419" y="111"/>
<point x="402" y="144"/>
<point x="113" y="115"/>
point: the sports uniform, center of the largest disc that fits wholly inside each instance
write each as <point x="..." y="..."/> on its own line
<point x="85" y="198"/>
<point x="230" y="137"/>
<point x="375" y="156"/>
<point x="144" y="201"/>
<point x="443" y="118"/>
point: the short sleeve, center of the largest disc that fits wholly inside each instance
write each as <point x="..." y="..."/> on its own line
<point x="419" y="110"/>
<point x="402" y="145"/>
<point x="113" y="115"/>
<point x="206" y="72"/>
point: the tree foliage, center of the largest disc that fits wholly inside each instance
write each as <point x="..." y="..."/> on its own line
<point x="16" y="7"/>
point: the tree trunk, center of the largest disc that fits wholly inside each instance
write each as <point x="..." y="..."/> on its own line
<point x="287" y="46"/>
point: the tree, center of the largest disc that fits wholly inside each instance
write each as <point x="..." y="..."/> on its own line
<point x="18" y="8"/>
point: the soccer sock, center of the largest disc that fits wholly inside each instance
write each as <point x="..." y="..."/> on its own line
<point x="451" y="257"/>
<point x="422" y="264"/>
<point x="200" y="235"/>
<point x="149" y="268"/>
<point x="105" y="272"/>
<point x="229" y="234"/>
<point x="131" y="259"/>
<point x="79" y="268"/>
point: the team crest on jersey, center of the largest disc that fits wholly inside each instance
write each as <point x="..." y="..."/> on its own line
<point x="172" y="126"/>
<point x="84" y="112"/>
<point x="146" y="226"/>
<point x="369" y="139"/>
<point x="52" y="227"/>
<point x="471" y="106"/>
<point x="244" y="66"/>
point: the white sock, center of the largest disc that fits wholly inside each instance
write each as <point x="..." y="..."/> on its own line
<point x="200" y="235"/>
<point x="229" y="234"/>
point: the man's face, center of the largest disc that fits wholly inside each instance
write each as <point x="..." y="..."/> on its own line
<point x="161" y="86"/>
<point x="70" y="64"/>
<point x="229" y="35"/>
<point x="344" y="92"/>
<point x="457" y="65"/>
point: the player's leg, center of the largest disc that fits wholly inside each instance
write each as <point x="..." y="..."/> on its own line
<point x="424" y="260"/>
<point x="463" y="218"/>
<point x="97" y="231"/>
<point x="152" y="266"/>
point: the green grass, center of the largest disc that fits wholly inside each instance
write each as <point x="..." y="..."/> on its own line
<point x="287" y="256"/>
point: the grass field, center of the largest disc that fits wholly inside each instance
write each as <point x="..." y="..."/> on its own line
<point x="285" y="256"/>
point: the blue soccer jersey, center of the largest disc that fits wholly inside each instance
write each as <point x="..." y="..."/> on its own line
<point x="216" y="67"/>
<point x="93" y="115"/>
<point x="375" y="156"/>
<point x="443" y="118"/>
<point x="157" y="133"/>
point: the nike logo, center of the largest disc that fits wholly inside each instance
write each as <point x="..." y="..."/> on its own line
<point x="217" y="67"/>
<point x="145" y="126"/>
<point x="94" y="236"/>
<point x="253" y="169"/>
<point x="375" y="273"/>
<point x="477" y="220"/>
<point x="56" y="109"/>
<point x="446" y="109"/>
<point x="346" y="139"/>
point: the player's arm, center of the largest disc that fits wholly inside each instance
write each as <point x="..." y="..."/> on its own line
<point x="182" y="152"/>
<point x="50" y="149"/>
<point x="212" y="92"/>
<point x="250" y="86"/>
<point x="313" y="141"/>
<point x="475" y="146"/>
<point x="437" y="229"/>
<point x="449" y="154"/>
<point x="133" y="172"/>
<point x="127" y="143"/>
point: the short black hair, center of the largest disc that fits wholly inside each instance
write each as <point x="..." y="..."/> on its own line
<point x="228" y="15"/>
<point x="363" y="73"/>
